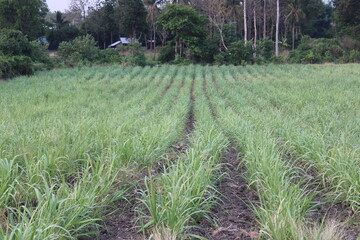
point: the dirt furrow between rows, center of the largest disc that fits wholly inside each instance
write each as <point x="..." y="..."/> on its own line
<point x="232" y="217"/>
<point x="122" y="222"/>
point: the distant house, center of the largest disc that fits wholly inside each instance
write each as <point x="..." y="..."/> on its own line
<point x="42" y="40"/>
<point x="123" y="41"/>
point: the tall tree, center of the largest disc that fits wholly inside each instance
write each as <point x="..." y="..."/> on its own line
<point x="265" y="18"/>
<point x="245" y="22"/>
<point x="277" y="27"/>
<point x="216" y="12"/>
<point x="153" y="13"/>
<point x="132" y="14"/>
<point x="347" y="16"/>
<point x="102" y="23"/>
<point x="82" y="7"/>
<point x="26" y="16"/>
<point x="59" y="20"/>
<point x="255" y="26"/>
<point x="185" y="26"/>
<point x="293" y="18"/>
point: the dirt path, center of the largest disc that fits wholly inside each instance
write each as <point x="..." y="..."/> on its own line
<point x="121" y="224"/>
<point x="233" y="216"/>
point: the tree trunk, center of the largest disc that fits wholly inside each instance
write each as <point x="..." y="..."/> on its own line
<point x="277" y="27"/>
<point x="245" y="23"/>
<point x="265" y="18"/>
<point x="176" y="47"/>
<point x="255" y="29"/>
<point x="293" y="36"/>
<point x="154" y="42"/>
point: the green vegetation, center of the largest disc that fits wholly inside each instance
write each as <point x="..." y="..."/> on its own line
<point x="19" y="56"/>
<point x="74" y="140"/>
<point x="183" y="32"/>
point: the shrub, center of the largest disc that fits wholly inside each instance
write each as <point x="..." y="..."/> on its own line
<point x="265" y="49"/>
<point x="136" y="54"/>
<point x="11" y="66"/>
<point x="19" y="56"/>
<point x="80" y="50"/>
<point x="167" y="54"/>
<point x="354" y="56"/>
<point x="181" y="61"/>
<point x="238" y="53"/>
<point x="14" y="42"/>
<point x="110" y="55"/>
<point x="317" y="50"/>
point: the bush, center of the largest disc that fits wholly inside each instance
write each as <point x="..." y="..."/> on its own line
<point x="317" y="50"/>
<point x="19" y="56"/>
<point x="167" y="54"/>
<point x="111" y="55"/>
<point x="80" y="50"/>
<point x="238" y="53"/>
<point x="181" y="61"/>
<point x="265" y="49"/>
<point x="136" y="54"/>
<point x="14" y="42"/>
<point x="11" y="66"/>
<point x="354" y="56"/>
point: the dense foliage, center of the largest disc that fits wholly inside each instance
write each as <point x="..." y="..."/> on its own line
<point x="19" y="56"/>
<point x="185" y="29"/>
<point x="25" y="16"/>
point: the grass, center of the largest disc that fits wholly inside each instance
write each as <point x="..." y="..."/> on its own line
<point x="66" y="154"/>
<point x="69" y="137"/>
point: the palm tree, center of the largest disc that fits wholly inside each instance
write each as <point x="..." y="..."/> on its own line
<point x="233" y="11"/>
<point x="294" y="17"/>
<point x="153" y="12"/>
<point x="59" y="20"/>
<point x="277" y="27"/>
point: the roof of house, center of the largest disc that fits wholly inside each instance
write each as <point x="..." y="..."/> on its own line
<point x="125" y="40"/>
<point x="115" y="44"/>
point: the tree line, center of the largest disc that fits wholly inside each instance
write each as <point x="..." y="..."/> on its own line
<point x="201" y="30"/>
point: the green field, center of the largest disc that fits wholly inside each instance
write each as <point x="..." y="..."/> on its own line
<point x="76" y="143"/>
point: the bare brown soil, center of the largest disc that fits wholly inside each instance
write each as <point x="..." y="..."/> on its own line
<point x="121" y="223"/>
<point x="327" y="211"/>
<point x="233" y="217"/>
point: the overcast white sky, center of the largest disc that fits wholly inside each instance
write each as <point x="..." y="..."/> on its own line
<point x="58" y="5"/>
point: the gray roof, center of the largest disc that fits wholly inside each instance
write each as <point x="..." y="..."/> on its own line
<point x="115" y="44"/>
<point x="125" y="40"/>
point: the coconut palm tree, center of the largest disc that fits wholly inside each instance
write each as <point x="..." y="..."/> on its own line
<point x="294" y="17"/>
<point x="153" y="12"/>
<point x="233" y="9"/>
<point x="59" y="20"/>
<point x="233" y="12"/>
